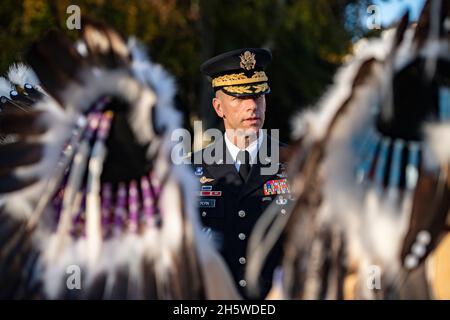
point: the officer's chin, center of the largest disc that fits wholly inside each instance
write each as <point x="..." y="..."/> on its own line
<point x="252" y="127"/>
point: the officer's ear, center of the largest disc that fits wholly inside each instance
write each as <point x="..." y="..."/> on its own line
<point x="217" y="104"/>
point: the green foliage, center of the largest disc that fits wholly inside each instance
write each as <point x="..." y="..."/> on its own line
<point x="307" y="39"/>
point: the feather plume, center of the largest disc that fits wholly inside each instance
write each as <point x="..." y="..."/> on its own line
<point x="19" y="74"/>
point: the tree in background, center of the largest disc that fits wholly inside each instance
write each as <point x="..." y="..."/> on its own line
<point x="308" y="39"/>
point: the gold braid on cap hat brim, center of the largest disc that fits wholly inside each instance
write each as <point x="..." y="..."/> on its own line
<point x="238" y="78"/>
<point x="258" y="88"/>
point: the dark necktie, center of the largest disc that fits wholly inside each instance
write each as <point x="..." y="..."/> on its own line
<point x="244" y="169"/>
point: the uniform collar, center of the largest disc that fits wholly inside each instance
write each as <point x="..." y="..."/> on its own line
<point x="252" y="148"/>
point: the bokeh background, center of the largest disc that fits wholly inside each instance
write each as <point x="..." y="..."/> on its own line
<point x="308" y="39"/>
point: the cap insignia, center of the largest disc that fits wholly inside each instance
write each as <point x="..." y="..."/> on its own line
<point x="248" y="60"/>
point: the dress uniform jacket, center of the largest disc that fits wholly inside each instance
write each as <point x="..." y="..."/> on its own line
<point x="230" y="208"/>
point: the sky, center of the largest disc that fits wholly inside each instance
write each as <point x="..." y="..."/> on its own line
<point x="390" y="11"/>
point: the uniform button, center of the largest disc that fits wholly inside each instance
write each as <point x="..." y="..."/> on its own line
<point x="241" y="213"/>
<point x="424" y="237"/>
<point x="242" y="236"/>
<point x="242" y="260"/>
<point x="411" y="262"/>
<point x="242" y="283"/>
<point x="283" y="211"/>
<point x="204" y="214"/>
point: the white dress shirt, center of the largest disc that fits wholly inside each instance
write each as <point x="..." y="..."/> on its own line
<point x="252" y="149"/>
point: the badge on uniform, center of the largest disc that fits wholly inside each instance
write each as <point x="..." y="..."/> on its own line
<point x="205" y="180"/>
<point x="281" y="200"/>
<point x="206" y="188"/>
<point x="198" y="171"/>
<point x="279" y="186"/>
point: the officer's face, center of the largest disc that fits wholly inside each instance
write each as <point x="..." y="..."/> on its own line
<point x="241" y="113"/>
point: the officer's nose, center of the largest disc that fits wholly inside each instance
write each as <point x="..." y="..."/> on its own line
<point x="250" y="103"/>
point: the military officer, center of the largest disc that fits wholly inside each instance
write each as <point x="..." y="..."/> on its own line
<point x="235" y="188"/>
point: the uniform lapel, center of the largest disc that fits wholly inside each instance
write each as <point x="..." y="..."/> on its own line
<point x="223" y="172"/>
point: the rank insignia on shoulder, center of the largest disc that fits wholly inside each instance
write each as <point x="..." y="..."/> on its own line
<point x="279" y="186"/>
<point x="205" y="180"/>
<point x="198" y="171"/>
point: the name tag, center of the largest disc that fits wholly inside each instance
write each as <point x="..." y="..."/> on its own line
<point x="207" y="203"/>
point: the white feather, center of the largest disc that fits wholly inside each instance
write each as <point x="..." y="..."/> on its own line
<point x="20" y="74"/>
<point x="163" y="84"/>
<point x="5" y="87"/>
<point x="438" y="152"/>
<point x="315" y="121"/>
<point x="61" y="128"/>
<point x="93" y="202"/>
<point x="22" y="203"/>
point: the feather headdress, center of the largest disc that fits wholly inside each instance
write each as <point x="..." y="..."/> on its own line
<point x="366" y="169"/>
<point x="99" y="194"/>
